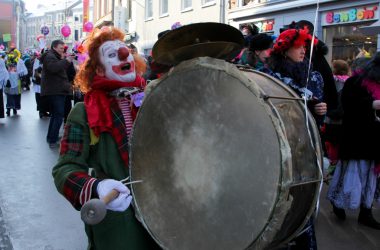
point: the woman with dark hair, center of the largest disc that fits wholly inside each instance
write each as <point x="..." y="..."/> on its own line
<point x="355" y="180"/>
<point x="333" y="122"/>
<point x="288" y="63"/>
<point x="260" y="48"/>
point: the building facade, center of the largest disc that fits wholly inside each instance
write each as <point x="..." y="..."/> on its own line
<point x="337" y="22"/>
<point x="12" y="23"/>
<point x="55" y="17"/>
<point x="142" y="20"/>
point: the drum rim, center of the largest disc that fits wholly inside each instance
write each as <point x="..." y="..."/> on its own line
<point x="259" y="242"/>
<point x="317" y="144"/>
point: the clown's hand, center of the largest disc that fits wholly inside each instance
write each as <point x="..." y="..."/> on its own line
<point x="121" y="202"/>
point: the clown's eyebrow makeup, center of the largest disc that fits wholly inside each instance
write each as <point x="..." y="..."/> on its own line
<point x="108" y="46"/>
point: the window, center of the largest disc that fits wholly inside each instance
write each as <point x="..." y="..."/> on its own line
<point x="76" y="18"/>
<point x="148" y="9"/>
<point x="186" y="4"/>
<point x="49" y="19"/>
<point x="60" y="17"/>
<point x="163" y="7"/>
<point x="207" y="2"/>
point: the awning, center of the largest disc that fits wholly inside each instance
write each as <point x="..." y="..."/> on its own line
<point x="370" y="30"/>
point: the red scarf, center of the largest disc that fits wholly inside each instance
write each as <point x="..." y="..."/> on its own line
<point x="97" y="102"/>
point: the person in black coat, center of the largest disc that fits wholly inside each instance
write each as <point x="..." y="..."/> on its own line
<point x="321" y="65"/>
<point x="55" y="86"/>
<point x="355" y="180"/>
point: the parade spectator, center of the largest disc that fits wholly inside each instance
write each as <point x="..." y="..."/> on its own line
<point x="356" y="175"/>
<point x="96" y="136"/>
<point x="260" y="48"/>
<point x="13" y="87"/>
<point x="244" y="57"/>
<point x="55" y="86"/>
<point x="4" y="76"/>
<point x="288" y="63"/>
<point x="359" y="64"/>
<point x="25" y="80"/>
<point x="333" y="122"/>
<point x="71" y="72"/>
<point x="42" y="109"/>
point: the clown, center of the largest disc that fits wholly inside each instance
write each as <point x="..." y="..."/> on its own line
<point x="96" y="136"/>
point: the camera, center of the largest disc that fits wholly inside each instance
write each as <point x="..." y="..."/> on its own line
<point x="74" y="55"/>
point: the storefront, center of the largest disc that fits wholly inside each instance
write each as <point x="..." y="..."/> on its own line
<point x="264" y="26"/>
<point x="339" y="23"/>
<point x="342" y="33"/>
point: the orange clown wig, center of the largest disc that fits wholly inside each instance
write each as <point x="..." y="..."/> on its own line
<point x="89" y="68"/>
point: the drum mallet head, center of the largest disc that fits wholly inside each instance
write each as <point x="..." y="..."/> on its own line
<point x="93" y="211"/>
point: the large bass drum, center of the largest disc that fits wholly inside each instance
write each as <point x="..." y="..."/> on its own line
<point x="225" y="163"/>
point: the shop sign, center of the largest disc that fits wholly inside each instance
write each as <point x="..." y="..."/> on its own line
<point x="265" y="26"/>
<point x="350" y="15"/>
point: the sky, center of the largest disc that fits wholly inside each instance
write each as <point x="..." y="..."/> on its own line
<point x="31" y="5"/>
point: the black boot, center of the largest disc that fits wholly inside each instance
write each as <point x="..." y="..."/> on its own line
<point x="366" y="218"/>
<point x="14" y="111"/>
<point x="339" y="212"/>
<point x="8" y="112"/>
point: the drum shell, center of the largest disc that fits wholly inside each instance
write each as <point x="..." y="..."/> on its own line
<point x="291" y="203"/>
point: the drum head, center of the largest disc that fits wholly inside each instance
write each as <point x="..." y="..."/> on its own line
<point x="208" y="151"/>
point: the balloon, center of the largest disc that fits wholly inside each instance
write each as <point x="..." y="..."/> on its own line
<point x="88" y="27"/>
<point x="45" y="30"/>
<point x="176" y="25"/>
<point x="65" y="30"/>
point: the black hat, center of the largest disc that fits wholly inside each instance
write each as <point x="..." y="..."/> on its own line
<point x="261" y="41"/>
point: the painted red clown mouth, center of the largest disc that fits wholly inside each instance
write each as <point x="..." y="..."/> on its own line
<point x="124" y="68"/>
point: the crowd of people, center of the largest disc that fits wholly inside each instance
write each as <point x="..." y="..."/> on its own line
<point x="343" y="99"/>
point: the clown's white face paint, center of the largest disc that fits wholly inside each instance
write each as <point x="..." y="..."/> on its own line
<point x="118" y="62"/>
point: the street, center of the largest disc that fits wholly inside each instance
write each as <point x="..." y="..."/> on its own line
<point x="33" y="215"/>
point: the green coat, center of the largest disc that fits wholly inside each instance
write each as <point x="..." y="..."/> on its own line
<point x="119" y="230"/>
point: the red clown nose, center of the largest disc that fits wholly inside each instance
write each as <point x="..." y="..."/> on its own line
<point x="123" y="53"/>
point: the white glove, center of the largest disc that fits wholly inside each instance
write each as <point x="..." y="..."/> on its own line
<point x="122" y="202"/>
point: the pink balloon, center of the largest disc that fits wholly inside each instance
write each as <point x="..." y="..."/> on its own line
<point x="88" y="27"/>
<point x="65" y="30"/>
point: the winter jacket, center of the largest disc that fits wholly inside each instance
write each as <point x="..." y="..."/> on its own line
<point x="119" y="230"/>
<point x="54" y="80"/>
<point x="360" y="133"/>
<point x="321" y="65"/>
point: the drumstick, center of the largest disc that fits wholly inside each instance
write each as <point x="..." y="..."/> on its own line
<point x="131" y="182"/>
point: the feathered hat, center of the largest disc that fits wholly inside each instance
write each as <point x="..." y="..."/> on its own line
<point x="292" y="38"/>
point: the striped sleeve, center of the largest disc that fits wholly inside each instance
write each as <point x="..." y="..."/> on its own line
<point x="78" y="188"/>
